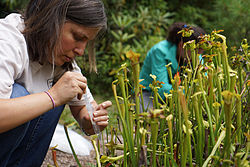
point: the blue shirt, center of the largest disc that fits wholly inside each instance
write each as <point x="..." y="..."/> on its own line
<point x="155" y="63"/>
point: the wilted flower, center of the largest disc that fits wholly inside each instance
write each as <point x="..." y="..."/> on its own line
<point x="190" y="45"/>
<point x="152" y="76"/>
<point x="169" y="64"/>
<point x="134" y="57"/>
<point x="216" y="105"/>
<point x="228" y="96"/>
<point x="208" y="58"/>
<point x="216" y="31"/>
<point x="185" y="129"/>
<point x="169" y="118"/>
<point x="155" y="83"/>
<point x="186" y="31"/>
<point x="205" y="42"/>
<point x="143" y="131"/>
<point x="140" y="85"/>
<point x="156" y="113"/>
<point x="206" y="124"/>
<point x="177" y="76"/>
<point x="244" y="44"/>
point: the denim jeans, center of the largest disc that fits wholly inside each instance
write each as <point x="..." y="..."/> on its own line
<point x="27" y="144"/>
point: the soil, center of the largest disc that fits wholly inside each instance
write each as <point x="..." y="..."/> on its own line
<point x="67" y="160"/>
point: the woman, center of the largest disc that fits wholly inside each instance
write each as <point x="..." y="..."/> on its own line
<point x="39" y="75"/>
<point x="160" y="55"/>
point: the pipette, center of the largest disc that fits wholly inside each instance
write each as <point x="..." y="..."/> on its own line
<point x="91" y="111"/>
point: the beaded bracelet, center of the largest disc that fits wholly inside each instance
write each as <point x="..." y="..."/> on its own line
<point x="51" y="98"/>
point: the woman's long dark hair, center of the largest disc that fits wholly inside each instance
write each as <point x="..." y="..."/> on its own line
<point x="176" y="38"/>
<point x="44" y="20"/>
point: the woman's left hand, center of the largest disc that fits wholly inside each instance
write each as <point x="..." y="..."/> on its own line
<point x="100" y="116"/>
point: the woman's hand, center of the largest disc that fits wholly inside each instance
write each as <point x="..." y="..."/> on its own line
<point x="100" y="117"/>
<point x="70" y="85"/>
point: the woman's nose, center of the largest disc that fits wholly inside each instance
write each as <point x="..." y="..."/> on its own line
<point x="79" y="49"/>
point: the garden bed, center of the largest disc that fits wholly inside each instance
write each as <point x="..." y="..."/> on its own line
<point x="67" y="160"/>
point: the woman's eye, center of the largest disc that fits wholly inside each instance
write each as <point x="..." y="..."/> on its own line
<point x="78" y="38"/>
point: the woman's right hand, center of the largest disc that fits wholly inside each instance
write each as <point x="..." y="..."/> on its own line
<point x="70" y="85"/>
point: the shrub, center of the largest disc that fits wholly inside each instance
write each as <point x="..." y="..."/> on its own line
<point x="131" y="25"/>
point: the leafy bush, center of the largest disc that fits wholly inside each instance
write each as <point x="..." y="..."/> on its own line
<point x="8" y="6"/>
<point x="232" y="16"/>
<point x="131" y="25"/>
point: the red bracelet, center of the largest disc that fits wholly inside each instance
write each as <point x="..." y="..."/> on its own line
<point x="51" y="98"/>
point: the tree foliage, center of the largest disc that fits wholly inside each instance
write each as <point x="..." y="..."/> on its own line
<point x="8" y="6"/>
<point x="131" y="25"/>
<point x="232" y="16"/>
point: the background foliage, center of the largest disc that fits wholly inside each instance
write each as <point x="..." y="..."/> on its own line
<point x="8" y="6"/>
<point x="138" y="25"/>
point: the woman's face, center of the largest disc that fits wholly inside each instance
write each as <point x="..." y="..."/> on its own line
<point x="73" y="41"/>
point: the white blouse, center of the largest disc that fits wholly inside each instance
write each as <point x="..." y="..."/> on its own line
<point x="15" y="66"/>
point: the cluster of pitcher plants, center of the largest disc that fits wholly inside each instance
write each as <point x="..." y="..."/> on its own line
<point x="203" y="121"/>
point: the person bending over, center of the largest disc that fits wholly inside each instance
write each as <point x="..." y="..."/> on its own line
<point x="39" y="75"/>
<point x="160" y="55"/>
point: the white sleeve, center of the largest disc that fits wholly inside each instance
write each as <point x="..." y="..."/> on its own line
<point x="12" y="65"/>
<point x="75" y="101"/>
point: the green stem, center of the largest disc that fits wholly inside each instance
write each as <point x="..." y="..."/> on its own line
<point x="155" y="99"/>
<point x="142" y="102"/>
<point x="191" y="85"/>
<point x="194" y="61"/>
<point x="97" y="152"/>
<point x="125" y="128"/>
<point x="178" y="118"/>
<point x="228" y="96"/>
<point x="200" y="133"/>
<point x="218" y="83"/>
<point x="188" y="139"/>
<point x="221" y="137"/>
<point x="211" y="90"/>
<point x="238" y="120"/>
<point x="219" y="58"/>
<point x="240" y="78"/>
<point x="71" y="146"/>
<point x="207" y="109"/>
<point x="170" y="127"/>
<point x="136" y="72"/>
<point x="225" y="60"/>
<point x="129" y="136"/>
<point x="154" y="132"/>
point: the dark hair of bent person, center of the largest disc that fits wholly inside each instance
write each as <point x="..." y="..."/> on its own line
<point x="44" y="19"/>
<point x="176" y="38"/>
